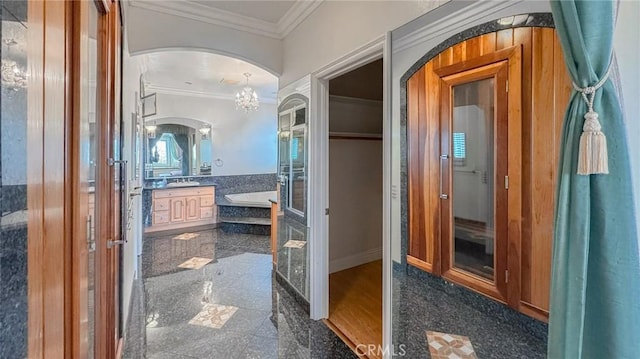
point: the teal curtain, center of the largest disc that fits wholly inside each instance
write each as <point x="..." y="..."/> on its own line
<point x="595" y="287"/>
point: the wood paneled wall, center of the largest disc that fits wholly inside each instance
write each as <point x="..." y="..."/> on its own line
<point x="49" y="238"/>
<point x="546" y="88"/>
<point x="57" y="238"/>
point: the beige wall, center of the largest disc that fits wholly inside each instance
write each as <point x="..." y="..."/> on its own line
<point x="245" y="142"/>
<point x="355" y="185"/>
<point x="155" y="31"/>
<point x="130" y="85"/>
<point x="336" y="28"/>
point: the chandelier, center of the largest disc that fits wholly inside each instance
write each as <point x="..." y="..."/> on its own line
<point x="13" y="77"/>
<point x="247" y="99"/>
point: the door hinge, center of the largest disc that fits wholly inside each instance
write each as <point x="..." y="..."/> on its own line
<point x="506" y="276"/>
<point x="507" y="86"/>
<point x="326" y="211"/>
<point x="111" y="243"/>
<point x="506" y="182"/>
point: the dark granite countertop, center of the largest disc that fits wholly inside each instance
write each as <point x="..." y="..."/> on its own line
<point x="150" y="188"/>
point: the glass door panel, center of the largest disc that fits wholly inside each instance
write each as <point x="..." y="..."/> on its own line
<point x="88" y="144"/>
<point x="298" y="194"/>
<point x="292" y="156"/>
<point x="472" y="177"/>
<point x="284" y="159"/>
<point x="475" y="139"/>
<point x="14" y="158"/>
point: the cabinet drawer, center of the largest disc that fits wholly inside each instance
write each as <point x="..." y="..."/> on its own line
<point x="161" y="204"/>
<point x="183" y="192"/>
<point x="205" y="191"/>
<point x="161" y="217"/>
<point x="206" y="213"/>
<point x="206" y="201"/>
<point x="166" y="193"/>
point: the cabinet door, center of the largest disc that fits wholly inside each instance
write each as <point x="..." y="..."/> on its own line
<point x="160" y="217"/>
<point x="193" y="208"/>
<point x="177" y="210"/>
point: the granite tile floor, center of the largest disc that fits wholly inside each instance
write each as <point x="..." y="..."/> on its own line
<point x="424" y="313"/>
<point x="208" y="296"/>
<point x="229" y="308"/>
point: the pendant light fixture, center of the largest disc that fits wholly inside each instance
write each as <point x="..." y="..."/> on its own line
<point x="247" y="99"/>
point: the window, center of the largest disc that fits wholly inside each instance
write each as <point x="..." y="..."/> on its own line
<point x="459" y="148"/>
<point x="161" y="149"/>
<point x="168" y="152"/>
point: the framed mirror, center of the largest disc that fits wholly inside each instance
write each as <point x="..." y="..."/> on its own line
<point x="178" y="150"/>
<point x="149" y="105"/>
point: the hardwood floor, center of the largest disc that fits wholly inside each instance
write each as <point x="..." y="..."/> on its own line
<point x="355" y="305"/>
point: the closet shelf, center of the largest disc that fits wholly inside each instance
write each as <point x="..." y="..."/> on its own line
<point x="355" y="136"/>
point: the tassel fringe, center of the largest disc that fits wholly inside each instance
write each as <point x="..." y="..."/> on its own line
<point x="592" y="158"/>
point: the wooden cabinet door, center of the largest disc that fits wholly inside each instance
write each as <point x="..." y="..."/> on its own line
<point x="177" y="212"/>
<point x="192" y="211"/>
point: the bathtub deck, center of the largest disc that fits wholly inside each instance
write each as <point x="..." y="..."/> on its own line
<point x="225" y="202"/>
<point x="253" y="199"/>
<point x="247" y="220"/>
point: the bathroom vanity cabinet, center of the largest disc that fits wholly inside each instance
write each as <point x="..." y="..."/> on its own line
<point x="173" y="208"/>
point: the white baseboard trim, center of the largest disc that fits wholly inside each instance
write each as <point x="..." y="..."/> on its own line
<point x="357" y="259"/>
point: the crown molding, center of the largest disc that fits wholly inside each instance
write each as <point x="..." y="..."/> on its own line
<point x="299" y="11"/>
<point x="457" y="20"/>
<point x="194" y="11"/>
<point x="168" y="90"/>
<point x="296" y="15"/>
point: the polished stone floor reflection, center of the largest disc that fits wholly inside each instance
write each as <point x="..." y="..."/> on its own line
<point x="293" y="254"/>
<point x="209" y="296"/>
<point x="230" y="307"/>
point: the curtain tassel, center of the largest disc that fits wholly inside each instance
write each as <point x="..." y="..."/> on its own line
<point x="592" y="157"/>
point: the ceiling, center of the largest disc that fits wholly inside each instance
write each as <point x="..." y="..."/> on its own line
<point x="271" y="18"/>
<point x="196" y="73"/>
<point x="270" y="11"/>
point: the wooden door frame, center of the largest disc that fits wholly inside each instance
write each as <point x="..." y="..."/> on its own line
<point x="497" y="71"/>
<point x="108" y="342"/>
<point x="39" y="277"/>
<point x="57" y="205"/>
<point x="105" y="346"/>
<point x="451" y="75"/>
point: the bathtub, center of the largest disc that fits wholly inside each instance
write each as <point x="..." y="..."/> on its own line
<point x="252" y="199"/>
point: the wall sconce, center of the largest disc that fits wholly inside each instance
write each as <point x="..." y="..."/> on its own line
<point x="151" y="130"/>
<point x="204" y="131"/>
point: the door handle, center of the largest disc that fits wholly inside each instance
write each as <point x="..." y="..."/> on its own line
<point x="442" y="159"/>
<point x="283" y="180"/>
<point x="111" y="243"/>
<point x="91" y="243"/>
